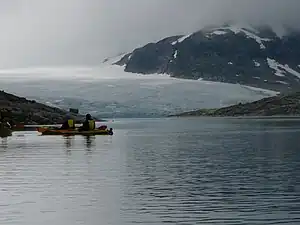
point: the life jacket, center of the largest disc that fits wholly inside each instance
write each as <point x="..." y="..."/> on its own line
<point x="71" y="123"/>
<point x="92" y="125"/>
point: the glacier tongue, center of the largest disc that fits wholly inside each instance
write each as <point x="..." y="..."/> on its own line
<point x="108" y="91"/>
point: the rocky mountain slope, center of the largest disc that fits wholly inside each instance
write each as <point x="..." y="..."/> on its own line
<point x="281" y="105"/>
<point x="21" y="110"/>
<point x="253" y="56"/>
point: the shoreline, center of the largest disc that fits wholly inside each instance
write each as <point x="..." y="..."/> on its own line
<point x="239" y="117"/>
<point x="280" y="106"/>
<point x="33" y="127"/>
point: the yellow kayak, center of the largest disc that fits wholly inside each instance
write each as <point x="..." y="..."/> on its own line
<point x="48" y="131"/>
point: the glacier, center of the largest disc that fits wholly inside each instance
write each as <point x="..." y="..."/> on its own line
<point x="106" y="91"/>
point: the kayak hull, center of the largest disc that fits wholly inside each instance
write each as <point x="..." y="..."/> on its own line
<point x="47" y="131"/>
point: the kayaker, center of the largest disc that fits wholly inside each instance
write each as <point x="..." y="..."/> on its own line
<point x="68" y="124"/>
<point x="88" y="124"/>
<point x="6" y="122"/>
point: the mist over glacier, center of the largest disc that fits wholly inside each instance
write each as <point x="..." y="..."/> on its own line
<point x="107" y="91"/>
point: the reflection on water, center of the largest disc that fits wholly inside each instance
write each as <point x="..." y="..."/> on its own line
<point x="69" y="140"/>
<point x="150" y="172"/>
<point x="89" y="142"/>
<point x="4" y="143"/>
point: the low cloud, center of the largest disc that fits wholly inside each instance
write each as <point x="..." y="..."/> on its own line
<point x="83" y="32"/>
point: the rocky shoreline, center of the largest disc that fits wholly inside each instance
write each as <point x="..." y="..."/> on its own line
<point x="280" y="105"/>
<point x="30" y="112"/>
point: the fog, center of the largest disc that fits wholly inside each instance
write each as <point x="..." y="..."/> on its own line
<point x="84" y="32"/>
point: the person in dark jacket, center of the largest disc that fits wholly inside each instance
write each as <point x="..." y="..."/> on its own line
<point x="68" y="124"/>
<point x="88" y="124"/>
<point x="6" y="121"/>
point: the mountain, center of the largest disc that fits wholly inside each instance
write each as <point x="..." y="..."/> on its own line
<point x="247" y="55"/>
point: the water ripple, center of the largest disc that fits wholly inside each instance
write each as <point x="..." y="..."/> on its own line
<point x="212" y="172"/>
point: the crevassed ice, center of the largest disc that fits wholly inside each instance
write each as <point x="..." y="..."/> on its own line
<point x="108" y="91"/>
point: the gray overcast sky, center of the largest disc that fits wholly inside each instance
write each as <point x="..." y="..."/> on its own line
<point x="83" y="32"/>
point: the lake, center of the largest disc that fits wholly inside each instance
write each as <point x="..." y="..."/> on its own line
<point x="155" y="171"/>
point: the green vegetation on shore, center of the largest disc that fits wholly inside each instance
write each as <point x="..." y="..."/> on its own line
<point x="280" y="105"/>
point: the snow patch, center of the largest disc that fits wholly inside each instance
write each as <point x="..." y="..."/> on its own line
<point x="175" y="54"/>
<point x="219" y="32"/>
<point x="290" y="70"/>
<point x="238" y="29"/>
<point x="280" y="69"/>
<point x="230" y="63"/>
<point x="237" y="75"/>
<point x="281" y="82"/>
<point x="257" y="64"/>
<point x="258" y="78"/>
<point x="275" y="66"/>
<point x="181" y="39"/>
<point x="299" y="66"/>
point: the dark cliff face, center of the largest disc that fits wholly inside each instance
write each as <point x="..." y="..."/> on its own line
<point x="255" y="57"/>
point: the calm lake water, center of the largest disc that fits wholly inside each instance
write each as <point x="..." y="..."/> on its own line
<point x="175" y="171"/>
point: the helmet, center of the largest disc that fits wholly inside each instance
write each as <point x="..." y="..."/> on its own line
<point x="88" y="116"/>
<point x="67" y="116"/>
